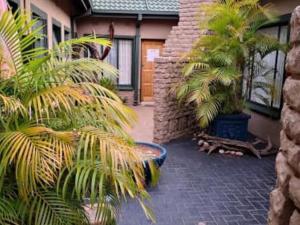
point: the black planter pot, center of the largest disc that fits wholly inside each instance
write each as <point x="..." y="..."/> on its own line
<point x="232" y="126"/>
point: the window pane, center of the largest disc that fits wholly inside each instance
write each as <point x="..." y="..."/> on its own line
<point x="56" y="35"/>
<point x="280" y="68"/>
<point x="247" y="78"/>
<point x="67" y="35"/>
<point x="263" y="74"/>
<point x="111" y="58"/>
<point x="40" y="22"/>
<point x="125" y="62"/>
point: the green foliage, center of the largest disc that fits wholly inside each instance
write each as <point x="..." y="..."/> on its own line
<point x="62" y="137"/>
<point x="212" y="79"/>
<point x="109" y="83"/>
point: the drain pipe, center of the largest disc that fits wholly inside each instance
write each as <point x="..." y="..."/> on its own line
<point x="137" y="51"/>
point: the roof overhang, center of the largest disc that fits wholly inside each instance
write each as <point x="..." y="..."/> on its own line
<point x="86" y="4"/>
<point x="136" y="14"/>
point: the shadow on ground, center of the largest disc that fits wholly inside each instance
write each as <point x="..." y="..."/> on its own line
<point x="216" y="190"/>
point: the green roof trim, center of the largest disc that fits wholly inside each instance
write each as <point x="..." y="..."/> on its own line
<point x="162" y="7"/>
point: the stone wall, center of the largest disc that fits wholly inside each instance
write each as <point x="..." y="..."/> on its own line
<point x="285" y="199"/>
<point x="171" y="120"/>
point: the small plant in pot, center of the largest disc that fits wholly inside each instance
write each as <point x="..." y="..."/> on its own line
<point x="213" y="77"/>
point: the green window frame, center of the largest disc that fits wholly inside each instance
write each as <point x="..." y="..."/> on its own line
<point x="277" y="75"/>
<point x="42" y="20"/>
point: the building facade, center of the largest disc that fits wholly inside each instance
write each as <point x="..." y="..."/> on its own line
<point x="145" y="30"/>
<point x="140" y="30"/>
<point x="56" y="17"/>
<point x="140" y="27"/>
<point x="171" y="121"/>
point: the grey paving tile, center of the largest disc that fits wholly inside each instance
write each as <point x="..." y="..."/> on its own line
<point x="215" y="189"/>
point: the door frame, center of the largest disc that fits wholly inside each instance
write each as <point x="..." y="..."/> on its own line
<point x="141" y="62"/>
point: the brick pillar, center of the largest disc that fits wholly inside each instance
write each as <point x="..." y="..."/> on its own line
<point x="171" y="120"/>
<point x="285" y="199"/>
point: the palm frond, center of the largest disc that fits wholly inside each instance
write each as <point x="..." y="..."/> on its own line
<point x="227" y="75"/>
<point x="39" y="87"/>
<point x="191" y="67"/>
<point x="37" y="153"/>
<point x="55" y="99"/>
<point x="11" y="57"/>
<point x="103" y="186"/>
<point x="111" y="104"/>
<point x="8" y="214"/>
<point x="106" y="210"/>
<point x="267" y="44"/>
<point x="11" y="105"/>
<point x="113" y="151"/>
<point x="81" y="42"/>
<point x="88" y="116"/>
<point x="49" y="208"/>
<point x="199" y="95"/>
<point x="208" y="111"/>
<point x="223" y="54"/>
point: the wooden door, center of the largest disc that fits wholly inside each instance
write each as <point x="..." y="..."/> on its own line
<point x="150" y="50"/>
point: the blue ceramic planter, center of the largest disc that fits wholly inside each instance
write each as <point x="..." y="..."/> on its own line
<point x="159" y="161"/>
<point x="234" y="126"/>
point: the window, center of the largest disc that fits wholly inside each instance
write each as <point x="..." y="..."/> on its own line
<point x="271" y="70"/>
<point x="67" y="34"/>
<point x="13" y="4"/>
<point x="120" y="56"/>
<point x="41" y="21"/>
<point x="56" y="29"/>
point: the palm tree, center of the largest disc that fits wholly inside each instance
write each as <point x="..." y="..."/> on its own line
<point x="61" y="135"/>
<point x="213" y="77"/>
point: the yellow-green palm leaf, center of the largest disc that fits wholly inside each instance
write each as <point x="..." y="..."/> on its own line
<point x="62" y="136"/>
<point x="37" y="154"/>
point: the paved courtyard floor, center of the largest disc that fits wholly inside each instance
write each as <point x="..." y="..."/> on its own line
<point x="214" y="190"/>
<point x="143" y="129"/>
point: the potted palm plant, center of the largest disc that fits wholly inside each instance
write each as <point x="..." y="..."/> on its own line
<point x="213" y="76"/>
<point x="61" y="135"/>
